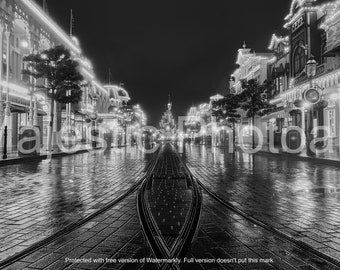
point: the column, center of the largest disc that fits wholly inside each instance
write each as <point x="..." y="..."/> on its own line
<point x="7" y="109"/>
<point x="1" y="72"/>
<point x="213" y="131"/>
<point x="54" y="127"/>
<point x="35" y="112"/>
<point x="31" y="117"/>
<point x="303" y="124"/>
<point x="66" y="123"/>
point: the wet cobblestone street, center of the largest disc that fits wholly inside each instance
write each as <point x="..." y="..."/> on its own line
<point x="129" y="232"/>
<point x="41" y="198"/>
<point x="296" y="197"/>
<point x="114" y="234"/>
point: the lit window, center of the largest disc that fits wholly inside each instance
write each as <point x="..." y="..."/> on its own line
<point x="281" y="84"/>
<point x="331" y="122"/>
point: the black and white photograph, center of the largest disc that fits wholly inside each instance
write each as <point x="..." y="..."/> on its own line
<point x="169" y="134"/>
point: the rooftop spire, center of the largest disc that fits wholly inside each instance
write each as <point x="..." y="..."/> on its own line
<point x="244" y="44"/>
<point x="169" y="102"/>
<point x="45" y="7"/>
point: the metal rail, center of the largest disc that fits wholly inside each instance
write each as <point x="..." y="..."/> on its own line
<point x="298" y="244"/>
<point x="189" y="229"/>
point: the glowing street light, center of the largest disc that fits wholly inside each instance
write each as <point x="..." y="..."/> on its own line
<point x="311" y="67"/>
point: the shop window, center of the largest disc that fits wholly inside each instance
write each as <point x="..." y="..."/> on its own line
<point x="281" y="84"/>
<point x="331" y="122"/>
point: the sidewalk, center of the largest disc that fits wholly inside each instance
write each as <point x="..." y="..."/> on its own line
<point x="323" y="158"/>
<point x="15" y="158"/>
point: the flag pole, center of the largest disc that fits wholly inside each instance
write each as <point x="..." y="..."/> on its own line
<point x="71" y="23"/>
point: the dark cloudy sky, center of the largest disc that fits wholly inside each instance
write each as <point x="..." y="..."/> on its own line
<point x="183" y="47"/>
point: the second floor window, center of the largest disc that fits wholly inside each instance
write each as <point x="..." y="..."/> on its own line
<point x="299" y="60"/>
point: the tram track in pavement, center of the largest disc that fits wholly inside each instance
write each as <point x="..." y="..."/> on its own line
<point x="317" y="256"/>
<point x="181" y="206"/>
<point x="73" y="226"/>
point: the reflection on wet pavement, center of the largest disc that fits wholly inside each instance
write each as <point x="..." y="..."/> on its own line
<point x="40" y="198"/>
<point x="272" y="189"/>
<point x="114" y="234"/>
<point x="235" y="243"/>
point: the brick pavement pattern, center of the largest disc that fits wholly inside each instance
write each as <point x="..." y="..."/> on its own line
<point x="40" y="198"/>
<point x="297" y="197"/>
<point x="226" y="235"/>
<point x="116" y="233"/>
<point x="113" y="235"/>
<point x="169" y="197"/>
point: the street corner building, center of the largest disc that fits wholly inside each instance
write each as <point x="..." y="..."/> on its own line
<point x="26" y="28"/>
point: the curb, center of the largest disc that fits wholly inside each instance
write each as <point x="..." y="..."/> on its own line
<point x="24" y="159"/>
<point x="332" y="162"/>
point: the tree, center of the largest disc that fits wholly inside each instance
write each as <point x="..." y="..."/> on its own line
<point x="226" y="109"/>
<point x="62" y="80"/>
<point x="254" y="100"/>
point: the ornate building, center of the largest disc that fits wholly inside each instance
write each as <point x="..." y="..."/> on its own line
<point x="26" y="28"/>
<point x="313" y="32"/>
<point x="279" y="74"/>
<point x="251" y="65"/>
<point x="122" y="118"/>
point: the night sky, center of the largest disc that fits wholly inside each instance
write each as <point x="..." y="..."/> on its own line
<point x="186" y="48"/>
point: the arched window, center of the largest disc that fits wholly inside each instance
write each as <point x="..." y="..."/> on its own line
<point x="299" y="60"/>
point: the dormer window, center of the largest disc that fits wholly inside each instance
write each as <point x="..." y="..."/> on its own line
<point x="121" y="93"/>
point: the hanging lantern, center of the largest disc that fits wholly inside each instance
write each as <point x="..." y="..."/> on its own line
<point x="311" y="67"/>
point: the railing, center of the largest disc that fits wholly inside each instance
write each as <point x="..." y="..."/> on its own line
<point x="320" y="70"/>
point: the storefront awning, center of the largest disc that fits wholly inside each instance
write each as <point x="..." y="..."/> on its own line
<point x="278" y="114"/>
<point x="18" y="108"/>
<point x="23" y="109"/>
<point x="41" y="112"/>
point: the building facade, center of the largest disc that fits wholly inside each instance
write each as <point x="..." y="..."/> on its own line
<point x="251" y="65"/>
<point x="313" y="32"/>
<point x="25" y="28"/>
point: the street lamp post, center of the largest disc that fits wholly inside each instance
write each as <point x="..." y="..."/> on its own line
<point x="7" y="109"/>
<point x="31" y="110"/>
<point x="312" y="97"/>
<point x="1" y="88"/>
<point x="35" y="112"/>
